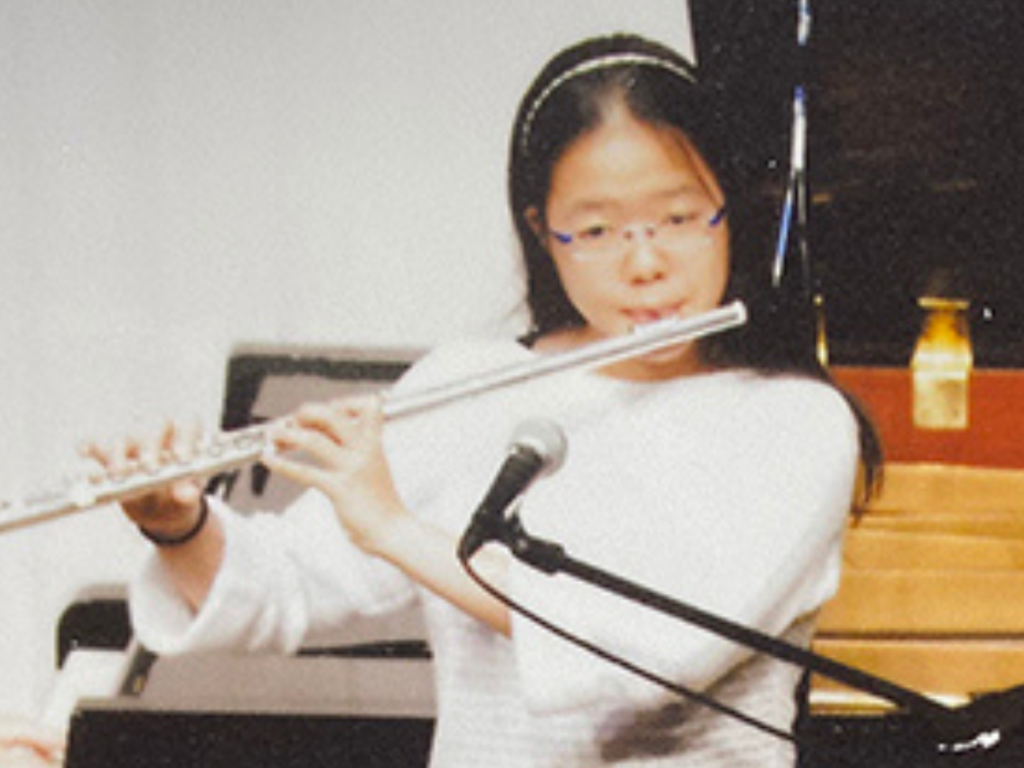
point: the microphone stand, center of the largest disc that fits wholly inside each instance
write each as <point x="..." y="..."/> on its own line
<point x="960" y="730"/>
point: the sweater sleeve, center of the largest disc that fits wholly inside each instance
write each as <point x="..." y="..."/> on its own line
<point x="287" y="576"/>
<point x="284" y="576"/>
<point x="754" y="536"/>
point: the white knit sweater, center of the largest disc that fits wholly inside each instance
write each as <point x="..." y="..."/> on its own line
<point x="728" y="491"/>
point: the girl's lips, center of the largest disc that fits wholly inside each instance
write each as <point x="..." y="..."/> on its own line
<point x="644" y="316"/>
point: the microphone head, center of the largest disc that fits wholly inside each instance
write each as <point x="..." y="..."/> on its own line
<point x="544" y="438"/>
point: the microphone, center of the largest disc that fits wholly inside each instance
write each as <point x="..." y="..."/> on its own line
<point x="537" y="448"/>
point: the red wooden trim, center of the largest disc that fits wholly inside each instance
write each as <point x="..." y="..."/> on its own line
<point x="994" y="437"/>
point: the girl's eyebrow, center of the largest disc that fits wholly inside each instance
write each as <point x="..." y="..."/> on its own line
<point x="694" y="191"/>
<point x="593" y="205"/>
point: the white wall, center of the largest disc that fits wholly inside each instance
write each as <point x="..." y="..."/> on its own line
<point x="178" y="176"/>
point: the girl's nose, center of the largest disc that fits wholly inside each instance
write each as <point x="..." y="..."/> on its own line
<point x="642" y="260"/>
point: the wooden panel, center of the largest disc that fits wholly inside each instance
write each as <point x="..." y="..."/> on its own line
<point x="880" y="548"/>
<point x="1009" y="526"/>
<point x="962" y="602"/>
<point x="957" y="668"/>
<point x="932" y="590"/>
<point x="937" y="489"/>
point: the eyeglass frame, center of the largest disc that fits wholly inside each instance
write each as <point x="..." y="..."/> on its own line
<point x="626" y="234"/>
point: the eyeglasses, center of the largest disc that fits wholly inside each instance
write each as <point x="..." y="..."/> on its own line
<point x="675" y="234"/>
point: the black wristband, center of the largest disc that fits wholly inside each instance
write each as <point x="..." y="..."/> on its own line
<point x="187" y="536"/>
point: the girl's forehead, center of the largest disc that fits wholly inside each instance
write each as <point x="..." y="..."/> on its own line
<point x="624" y="158"/>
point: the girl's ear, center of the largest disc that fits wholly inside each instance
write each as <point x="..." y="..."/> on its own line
<point x="533" y="219"/>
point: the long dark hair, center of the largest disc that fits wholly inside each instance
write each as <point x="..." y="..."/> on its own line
<point x="662" y="88"/>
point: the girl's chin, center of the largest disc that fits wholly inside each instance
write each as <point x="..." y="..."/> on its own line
<point x="669" y="363"/>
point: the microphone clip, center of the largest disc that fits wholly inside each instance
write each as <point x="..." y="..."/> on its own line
<point x="546" y="556"/>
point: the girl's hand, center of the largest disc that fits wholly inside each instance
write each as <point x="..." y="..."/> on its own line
<point x="167" y="512"/>
<point x="341" y="454"/>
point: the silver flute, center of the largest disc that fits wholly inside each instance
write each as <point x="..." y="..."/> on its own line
<point x="237" y="448"/>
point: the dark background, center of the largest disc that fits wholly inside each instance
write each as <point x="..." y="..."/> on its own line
<point x="915" y="156"/>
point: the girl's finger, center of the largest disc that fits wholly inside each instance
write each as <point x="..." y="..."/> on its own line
<point x="119" y="457"/>
<point x="186" y="493"/>
<point x="180" y="443"/>
<point x="335" y="420"/>
<point x="322" y="448"/>
<point x="94" y="452"/>
<point x="297" y="472"/>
